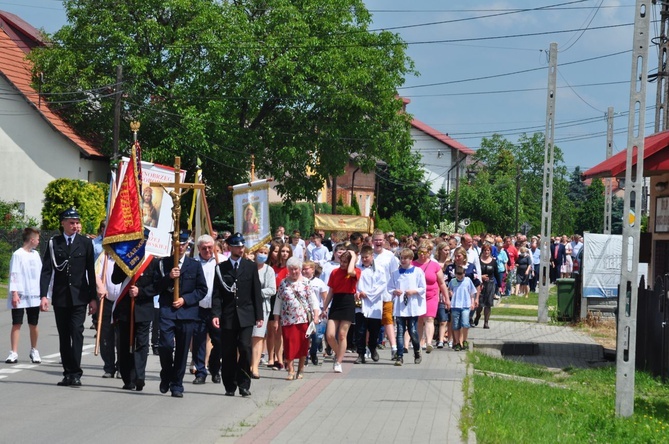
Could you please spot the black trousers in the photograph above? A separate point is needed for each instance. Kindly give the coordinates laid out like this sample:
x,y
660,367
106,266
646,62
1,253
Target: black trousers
x,y
70,325
175,339
132,364
202,330
236,372
108,338
362,326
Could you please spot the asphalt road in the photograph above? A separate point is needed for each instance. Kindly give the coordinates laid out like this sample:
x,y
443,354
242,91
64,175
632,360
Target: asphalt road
x,y
35,410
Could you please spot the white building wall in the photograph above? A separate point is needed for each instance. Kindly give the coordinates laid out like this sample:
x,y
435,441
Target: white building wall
x,y
437,159
33,154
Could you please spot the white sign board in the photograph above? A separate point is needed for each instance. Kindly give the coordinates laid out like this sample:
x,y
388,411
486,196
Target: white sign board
x,y
602,262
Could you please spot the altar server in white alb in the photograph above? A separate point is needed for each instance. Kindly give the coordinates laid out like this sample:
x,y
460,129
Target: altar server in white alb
x,y
24,294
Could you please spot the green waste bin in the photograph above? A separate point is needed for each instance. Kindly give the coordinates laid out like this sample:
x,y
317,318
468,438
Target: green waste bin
x,y
566,290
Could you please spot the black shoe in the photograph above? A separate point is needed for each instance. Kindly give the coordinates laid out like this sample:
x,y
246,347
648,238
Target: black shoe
x,y
417,359
129,387
360,359
244,392
177,395
227,393
108,375
200,380
399,361
139,385
66,382
375,356
164,387
216,379
154,349
477,319
405,350
314,358
75,382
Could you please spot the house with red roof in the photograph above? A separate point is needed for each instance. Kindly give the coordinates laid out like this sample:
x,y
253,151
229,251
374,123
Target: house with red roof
x,y
36,145
442,156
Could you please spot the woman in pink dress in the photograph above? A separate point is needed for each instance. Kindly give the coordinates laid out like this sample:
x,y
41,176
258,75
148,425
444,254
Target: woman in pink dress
x,y
434,279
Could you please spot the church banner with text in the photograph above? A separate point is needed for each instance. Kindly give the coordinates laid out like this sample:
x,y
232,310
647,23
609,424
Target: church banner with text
x,y
343,222
156,206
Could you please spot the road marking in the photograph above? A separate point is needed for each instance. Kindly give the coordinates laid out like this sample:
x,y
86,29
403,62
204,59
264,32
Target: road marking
x,y
9,370
25,366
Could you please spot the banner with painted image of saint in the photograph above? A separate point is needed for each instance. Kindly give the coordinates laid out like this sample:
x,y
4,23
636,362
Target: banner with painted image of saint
x,y
251,209
156,206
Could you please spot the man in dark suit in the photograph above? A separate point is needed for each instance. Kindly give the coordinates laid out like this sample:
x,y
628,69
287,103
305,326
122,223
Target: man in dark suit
x,y
557,259
179,318
132,362
70,260
236,308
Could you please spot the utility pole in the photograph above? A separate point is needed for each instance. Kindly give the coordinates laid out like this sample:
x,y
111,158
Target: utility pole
x,y
662,92
117,112
608,196
629,277
547,196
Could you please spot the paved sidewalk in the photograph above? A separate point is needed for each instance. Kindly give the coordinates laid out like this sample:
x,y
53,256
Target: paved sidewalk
x,y
373,402
558,346
377,402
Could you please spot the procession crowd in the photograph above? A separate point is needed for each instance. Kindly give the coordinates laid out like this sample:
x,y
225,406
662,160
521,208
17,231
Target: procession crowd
x,y
226,312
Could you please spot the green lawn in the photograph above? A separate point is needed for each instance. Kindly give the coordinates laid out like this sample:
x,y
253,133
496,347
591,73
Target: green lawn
x,y
579,407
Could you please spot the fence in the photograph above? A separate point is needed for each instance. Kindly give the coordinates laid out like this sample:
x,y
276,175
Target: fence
x,y
11,240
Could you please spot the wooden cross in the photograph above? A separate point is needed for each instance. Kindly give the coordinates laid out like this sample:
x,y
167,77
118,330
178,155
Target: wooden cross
x,y
176,194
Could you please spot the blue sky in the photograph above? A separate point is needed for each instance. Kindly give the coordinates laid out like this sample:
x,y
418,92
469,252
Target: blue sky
x,y
487,82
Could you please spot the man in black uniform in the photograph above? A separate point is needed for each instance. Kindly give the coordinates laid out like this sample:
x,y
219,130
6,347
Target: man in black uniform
x,y
236,306
132,362
179,318
70,260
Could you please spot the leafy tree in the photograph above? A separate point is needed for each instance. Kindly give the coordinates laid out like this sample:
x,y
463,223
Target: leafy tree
x,y
12,218
442,203
61,194
301,85
577,189
402,189
591,213
499,166
617,208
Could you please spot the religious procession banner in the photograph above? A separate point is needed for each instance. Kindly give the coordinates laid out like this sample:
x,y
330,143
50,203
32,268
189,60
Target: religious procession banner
x,y
156,206
251,208
124,236
343,222
199,221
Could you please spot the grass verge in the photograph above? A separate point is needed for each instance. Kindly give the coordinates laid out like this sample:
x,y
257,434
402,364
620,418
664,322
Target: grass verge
x,y
581,409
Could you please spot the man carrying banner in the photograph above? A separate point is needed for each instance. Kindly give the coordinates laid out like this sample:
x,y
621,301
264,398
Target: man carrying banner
x,y
178,318
69,259
134,312
236,308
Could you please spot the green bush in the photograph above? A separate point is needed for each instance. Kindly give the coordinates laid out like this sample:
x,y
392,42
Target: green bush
x,y
401,225
87,198
6,251
11,217
384,225
476,227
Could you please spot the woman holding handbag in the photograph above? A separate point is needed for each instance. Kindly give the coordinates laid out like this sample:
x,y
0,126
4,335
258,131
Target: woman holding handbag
x,y
295,308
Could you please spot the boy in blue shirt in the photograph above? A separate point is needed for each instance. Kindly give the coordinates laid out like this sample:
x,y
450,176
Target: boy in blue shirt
x,y
463,298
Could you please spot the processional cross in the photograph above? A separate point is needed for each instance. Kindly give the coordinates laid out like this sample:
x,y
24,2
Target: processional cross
x,y
176,193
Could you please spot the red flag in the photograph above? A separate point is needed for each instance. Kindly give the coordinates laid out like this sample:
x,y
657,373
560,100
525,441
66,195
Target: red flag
x,y
124,235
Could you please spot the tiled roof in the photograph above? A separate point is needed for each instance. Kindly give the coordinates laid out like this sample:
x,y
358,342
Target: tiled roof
x,y
444,138
16,39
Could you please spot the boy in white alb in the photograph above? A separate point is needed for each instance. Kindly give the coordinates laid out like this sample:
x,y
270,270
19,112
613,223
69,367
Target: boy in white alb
x,y
407,286
372,286
24,294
